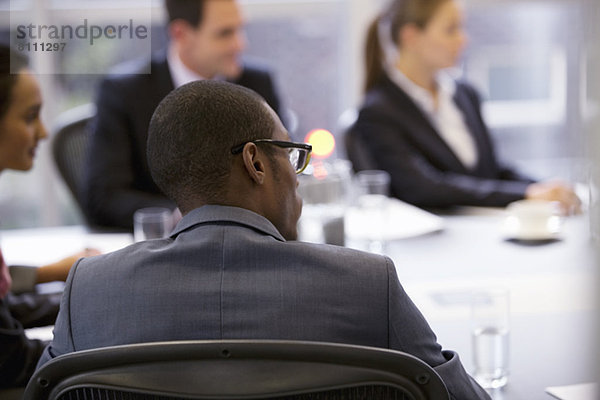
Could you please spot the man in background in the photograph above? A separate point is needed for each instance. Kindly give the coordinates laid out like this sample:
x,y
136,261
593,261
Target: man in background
x,y
207,40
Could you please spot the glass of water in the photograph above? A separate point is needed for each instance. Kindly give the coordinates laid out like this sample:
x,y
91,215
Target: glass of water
x,y
490,336
373,187
151,223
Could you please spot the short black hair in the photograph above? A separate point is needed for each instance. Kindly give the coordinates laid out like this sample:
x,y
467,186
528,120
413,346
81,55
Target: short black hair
x,y
192,132
188,10
9,58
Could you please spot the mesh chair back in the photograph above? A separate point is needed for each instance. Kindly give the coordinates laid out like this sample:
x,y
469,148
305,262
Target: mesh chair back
x,y
236,370
354,148
69,146
357,154
380,392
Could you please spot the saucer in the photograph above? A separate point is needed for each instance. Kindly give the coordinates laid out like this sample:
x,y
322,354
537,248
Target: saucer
x,y
513,230
529,220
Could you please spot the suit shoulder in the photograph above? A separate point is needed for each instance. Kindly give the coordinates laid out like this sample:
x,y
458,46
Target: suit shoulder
x,y
257,67
129,70
117,259
385,97
380,106
131,82
258,77
137,71
342,256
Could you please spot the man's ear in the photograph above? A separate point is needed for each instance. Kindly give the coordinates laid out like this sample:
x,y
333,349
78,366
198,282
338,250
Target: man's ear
x,y
178,29
254,163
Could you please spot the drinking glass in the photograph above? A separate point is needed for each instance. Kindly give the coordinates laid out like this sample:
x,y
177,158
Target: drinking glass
x,y
324,190
373,187
490,336
151,223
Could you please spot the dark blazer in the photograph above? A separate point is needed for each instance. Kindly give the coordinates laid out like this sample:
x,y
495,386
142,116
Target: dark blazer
x,y
392,133
227,273
117,179
18,354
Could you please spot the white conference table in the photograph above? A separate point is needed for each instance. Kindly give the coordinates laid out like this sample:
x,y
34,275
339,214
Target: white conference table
x,y
553,302
552,287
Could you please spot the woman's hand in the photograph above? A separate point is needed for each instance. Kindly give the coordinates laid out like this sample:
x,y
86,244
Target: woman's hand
x,y
59,270
555,191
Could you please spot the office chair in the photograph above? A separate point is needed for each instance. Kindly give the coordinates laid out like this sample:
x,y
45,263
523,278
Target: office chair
x,y
69,146
235,369
357,153
343,125
352,147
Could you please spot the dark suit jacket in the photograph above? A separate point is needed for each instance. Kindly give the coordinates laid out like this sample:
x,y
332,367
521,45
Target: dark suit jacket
x,y
117,179
18,354
392,133
227,273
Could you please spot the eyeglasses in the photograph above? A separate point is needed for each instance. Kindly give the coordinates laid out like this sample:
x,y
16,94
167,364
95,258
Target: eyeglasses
x,y
298,153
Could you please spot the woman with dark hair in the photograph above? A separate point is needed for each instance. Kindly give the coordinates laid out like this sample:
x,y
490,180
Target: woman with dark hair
x,y
20,131
424,127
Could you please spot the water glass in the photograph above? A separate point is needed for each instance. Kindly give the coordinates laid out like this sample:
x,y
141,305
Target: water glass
x,y
490,336
151,223
325,197
373,187
373,182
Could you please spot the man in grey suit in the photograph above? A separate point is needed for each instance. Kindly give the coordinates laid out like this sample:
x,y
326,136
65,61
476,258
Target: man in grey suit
x,y
232,269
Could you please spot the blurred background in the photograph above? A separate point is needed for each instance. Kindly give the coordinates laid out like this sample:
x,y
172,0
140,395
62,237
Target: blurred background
x,y
592,130
533,60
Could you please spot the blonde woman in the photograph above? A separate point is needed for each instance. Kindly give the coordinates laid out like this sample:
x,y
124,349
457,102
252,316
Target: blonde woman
x,y
424,127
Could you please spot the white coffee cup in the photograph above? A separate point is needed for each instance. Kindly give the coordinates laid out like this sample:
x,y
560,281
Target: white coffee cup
x,y
533,220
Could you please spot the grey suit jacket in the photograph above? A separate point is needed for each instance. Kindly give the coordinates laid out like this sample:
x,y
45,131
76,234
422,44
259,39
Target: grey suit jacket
x,y
227,273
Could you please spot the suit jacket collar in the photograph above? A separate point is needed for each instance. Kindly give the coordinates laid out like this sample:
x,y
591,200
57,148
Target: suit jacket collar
x,y
468,105
159,68
471,115
408,106
215,214
395,92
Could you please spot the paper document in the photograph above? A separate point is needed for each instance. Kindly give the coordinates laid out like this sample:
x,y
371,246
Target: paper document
x,y
398,220
582,391
44,245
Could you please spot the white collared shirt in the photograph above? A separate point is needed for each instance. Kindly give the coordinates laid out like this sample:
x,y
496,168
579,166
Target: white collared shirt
x,y
179,72
447,118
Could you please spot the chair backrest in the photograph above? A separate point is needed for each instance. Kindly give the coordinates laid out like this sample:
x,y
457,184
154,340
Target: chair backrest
x,y
344,122
69,146
357,153
353,148
236,369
